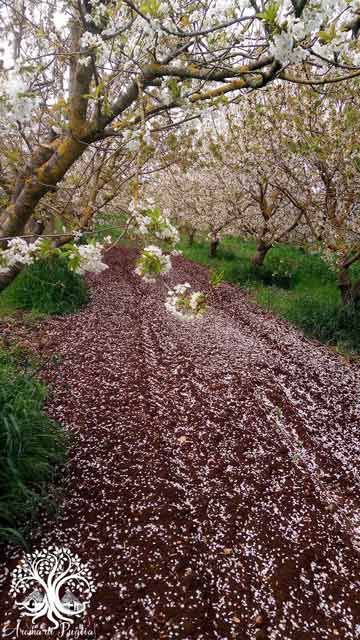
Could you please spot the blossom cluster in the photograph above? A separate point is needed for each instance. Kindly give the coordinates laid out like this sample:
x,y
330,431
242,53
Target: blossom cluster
x,y
152,263
99,13
291,36
81,259
86,258
91,40
108,22
184,304
18,252
16,104
151,222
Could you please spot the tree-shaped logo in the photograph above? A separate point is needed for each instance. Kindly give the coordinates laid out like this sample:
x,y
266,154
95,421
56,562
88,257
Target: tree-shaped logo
x,y
52,583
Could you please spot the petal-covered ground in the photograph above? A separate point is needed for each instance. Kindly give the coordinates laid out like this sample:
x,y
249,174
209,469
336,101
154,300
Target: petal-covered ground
x,y
213,482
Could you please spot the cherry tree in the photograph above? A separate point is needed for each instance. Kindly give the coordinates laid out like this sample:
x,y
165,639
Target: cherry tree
x,y
320,172
104,179
203,198
230,187
250,152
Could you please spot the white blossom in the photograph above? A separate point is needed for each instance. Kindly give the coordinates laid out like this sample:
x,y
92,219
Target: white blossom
x,y
90,259
184,304
152,263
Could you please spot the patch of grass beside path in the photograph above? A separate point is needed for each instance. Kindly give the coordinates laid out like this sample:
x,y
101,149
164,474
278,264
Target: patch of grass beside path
x,y
298,286
44,287
31,446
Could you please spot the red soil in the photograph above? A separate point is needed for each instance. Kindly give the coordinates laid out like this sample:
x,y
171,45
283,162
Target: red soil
x,y
213,477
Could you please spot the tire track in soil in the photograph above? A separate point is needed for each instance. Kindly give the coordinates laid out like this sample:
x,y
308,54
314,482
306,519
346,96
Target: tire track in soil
x,y
213,473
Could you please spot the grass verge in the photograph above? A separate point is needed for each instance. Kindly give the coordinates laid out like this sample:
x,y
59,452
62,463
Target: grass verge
x,y
45,287
31,446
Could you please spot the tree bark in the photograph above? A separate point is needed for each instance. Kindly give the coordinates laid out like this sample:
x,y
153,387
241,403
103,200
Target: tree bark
x,y
214,243
258,258
7,278
191,236
356,292
350,293
42,178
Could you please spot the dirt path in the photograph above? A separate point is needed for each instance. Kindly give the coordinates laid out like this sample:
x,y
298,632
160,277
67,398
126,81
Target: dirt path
x,y
214,475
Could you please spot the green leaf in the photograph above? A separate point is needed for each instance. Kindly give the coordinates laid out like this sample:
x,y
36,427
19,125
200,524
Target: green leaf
x,y
270,14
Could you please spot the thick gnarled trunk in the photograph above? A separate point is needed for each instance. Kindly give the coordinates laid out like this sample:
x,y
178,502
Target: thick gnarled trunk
x,y
52,158
41,179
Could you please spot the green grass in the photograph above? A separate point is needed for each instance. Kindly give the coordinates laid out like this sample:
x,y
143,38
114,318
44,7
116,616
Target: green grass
x,y
45,287
297,286
31,446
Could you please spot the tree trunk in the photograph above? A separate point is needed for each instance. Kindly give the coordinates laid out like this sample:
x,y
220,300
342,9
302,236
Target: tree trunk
x,y
214,243
350,293
37,227
191,236
344,284
356,292
258,258
43,177
7,278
